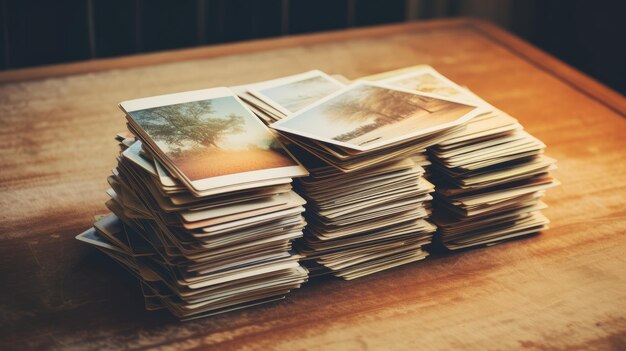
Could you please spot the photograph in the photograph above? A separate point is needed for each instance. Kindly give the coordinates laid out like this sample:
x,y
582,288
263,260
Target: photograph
x,y
364,116
427,80
214,137
294,93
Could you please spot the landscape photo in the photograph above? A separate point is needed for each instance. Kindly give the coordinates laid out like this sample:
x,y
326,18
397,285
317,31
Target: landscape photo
x,y
428,83
211,138
297,95
365,115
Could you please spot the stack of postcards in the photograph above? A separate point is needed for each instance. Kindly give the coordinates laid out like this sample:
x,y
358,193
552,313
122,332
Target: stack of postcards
x,y
203,211
489,177
363,144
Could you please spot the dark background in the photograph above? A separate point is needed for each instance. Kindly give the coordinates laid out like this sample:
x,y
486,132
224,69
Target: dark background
x,y
588,34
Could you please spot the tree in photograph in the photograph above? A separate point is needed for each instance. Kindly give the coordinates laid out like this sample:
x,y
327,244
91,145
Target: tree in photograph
x,y
188,124
384,105
355,133
374,107
360,105
404,103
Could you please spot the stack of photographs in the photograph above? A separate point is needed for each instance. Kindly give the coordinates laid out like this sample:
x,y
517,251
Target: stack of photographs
x,y
365,221
489,177
203,210
205,216
367,199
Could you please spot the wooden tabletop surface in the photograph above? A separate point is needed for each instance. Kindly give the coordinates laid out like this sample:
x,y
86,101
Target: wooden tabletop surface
x,y
563,289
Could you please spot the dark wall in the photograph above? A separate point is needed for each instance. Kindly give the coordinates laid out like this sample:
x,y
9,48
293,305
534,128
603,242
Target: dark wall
x,y
588,34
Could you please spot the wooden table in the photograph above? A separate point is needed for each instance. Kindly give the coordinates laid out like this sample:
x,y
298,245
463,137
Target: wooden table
x,y
564,289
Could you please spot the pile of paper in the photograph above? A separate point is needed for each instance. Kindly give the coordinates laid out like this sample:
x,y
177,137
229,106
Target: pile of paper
x,y
489,177
363,144
203,211
367,220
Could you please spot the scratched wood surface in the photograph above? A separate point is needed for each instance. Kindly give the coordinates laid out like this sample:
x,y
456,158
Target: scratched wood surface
x,y
563,289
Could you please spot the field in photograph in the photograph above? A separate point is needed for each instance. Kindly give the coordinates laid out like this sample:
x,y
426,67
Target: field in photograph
x,y
418,121
214,163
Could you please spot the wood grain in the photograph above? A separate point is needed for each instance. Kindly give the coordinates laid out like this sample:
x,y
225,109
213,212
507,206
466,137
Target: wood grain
x,y
564,289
